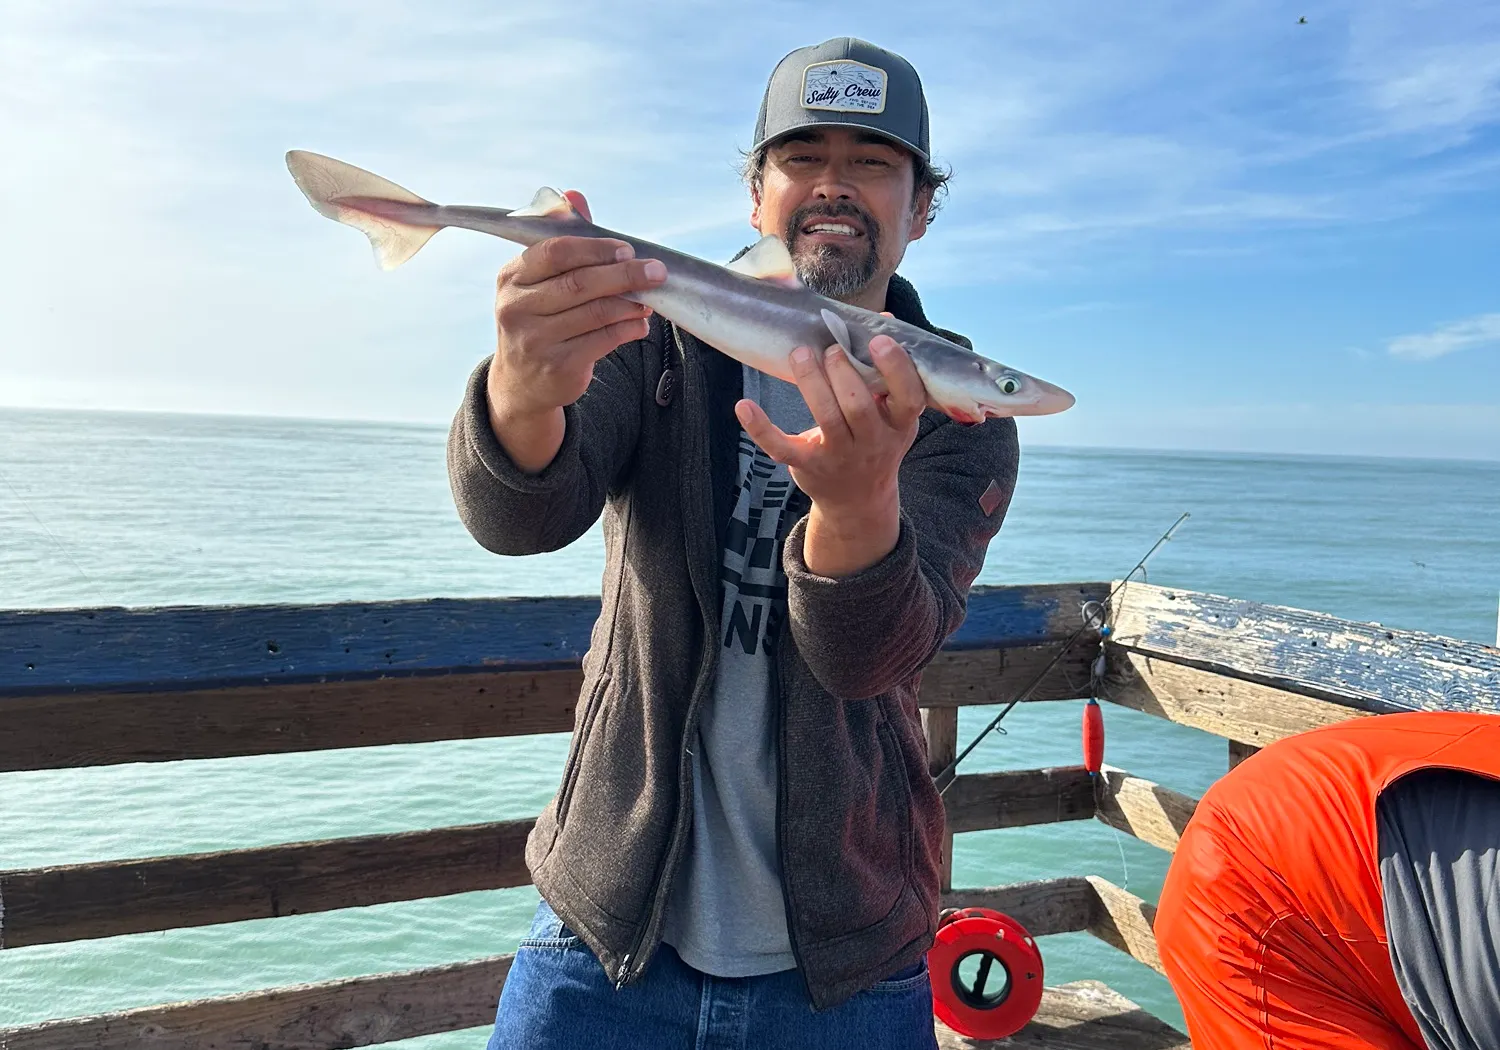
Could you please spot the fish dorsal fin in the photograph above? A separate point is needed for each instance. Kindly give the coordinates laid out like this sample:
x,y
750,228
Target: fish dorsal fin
x,y
768,260
550,204
838,329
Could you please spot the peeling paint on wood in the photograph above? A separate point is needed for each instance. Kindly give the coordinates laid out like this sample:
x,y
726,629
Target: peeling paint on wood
x,y
204,647
1365,665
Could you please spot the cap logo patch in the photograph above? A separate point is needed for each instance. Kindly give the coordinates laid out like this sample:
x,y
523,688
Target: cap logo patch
x,y
844,86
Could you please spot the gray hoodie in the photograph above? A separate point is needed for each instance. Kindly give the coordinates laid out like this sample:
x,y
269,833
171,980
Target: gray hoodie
x,y
860,824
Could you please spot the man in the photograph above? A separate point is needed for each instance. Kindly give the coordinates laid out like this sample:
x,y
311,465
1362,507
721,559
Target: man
x,y
1340,890
745,847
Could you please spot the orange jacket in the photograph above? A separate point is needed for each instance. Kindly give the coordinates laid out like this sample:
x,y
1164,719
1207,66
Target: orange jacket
x,y
1271,924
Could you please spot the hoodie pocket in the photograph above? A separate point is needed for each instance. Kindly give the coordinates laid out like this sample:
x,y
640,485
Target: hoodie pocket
x,y
580,740
850,821
897,781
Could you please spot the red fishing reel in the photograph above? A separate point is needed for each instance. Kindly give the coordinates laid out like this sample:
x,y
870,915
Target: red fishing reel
x,y
986,973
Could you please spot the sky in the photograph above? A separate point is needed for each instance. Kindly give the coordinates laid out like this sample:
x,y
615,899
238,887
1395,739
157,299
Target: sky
x,y
1221,228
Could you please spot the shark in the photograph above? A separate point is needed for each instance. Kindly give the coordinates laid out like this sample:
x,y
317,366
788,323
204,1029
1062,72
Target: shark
x,y
754,309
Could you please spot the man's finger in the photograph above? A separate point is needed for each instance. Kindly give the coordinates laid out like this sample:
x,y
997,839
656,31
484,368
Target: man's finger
x,y
776,444
546,259
906,394
573,288
590,316
855,401
820,398
601,341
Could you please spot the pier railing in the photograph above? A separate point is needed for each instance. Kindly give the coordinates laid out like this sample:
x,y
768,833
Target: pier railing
x,y
106,686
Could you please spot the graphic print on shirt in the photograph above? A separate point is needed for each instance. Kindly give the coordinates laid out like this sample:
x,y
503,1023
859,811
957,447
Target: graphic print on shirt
x,y
754,584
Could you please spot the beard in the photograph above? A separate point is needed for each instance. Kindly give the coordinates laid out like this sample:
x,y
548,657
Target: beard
x,y
836,271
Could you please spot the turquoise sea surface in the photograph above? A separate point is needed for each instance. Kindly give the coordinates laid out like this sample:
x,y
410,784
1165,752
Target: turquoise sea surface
x,y
117,509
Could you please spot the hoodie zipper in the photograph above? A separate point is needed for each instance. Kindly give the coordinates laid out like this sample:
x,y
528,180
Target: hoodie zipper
x,y
795,507
783,634
693,427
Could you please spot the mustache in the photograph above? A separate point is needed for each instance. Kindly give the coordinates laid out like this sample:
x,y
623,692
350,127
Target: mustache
x,y
831,210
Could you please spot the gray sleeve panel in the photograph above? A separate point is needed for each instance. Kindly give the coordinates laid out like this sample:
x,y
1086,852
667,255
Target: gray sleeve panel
x,y
1439,842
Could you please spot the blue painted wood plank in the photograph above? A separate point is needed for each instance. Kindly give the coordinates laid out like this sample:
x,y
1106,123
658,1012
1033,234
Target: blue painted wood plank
x,y
1012,616
207,647
1366,665
216,646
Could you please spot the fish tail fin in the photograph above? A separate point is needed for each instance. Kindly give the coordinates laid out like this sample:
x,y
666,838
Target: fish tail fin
x,y
326,182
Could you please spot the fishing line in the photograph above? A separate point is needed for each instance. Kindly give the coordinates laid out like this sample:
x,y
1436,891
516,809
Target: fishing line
x,y
948,776
50,535
1124,864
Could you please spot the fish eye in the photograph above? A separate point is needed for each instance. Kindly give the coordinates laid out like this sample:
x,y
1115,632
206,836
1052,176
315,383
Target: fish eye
x,y
1009,384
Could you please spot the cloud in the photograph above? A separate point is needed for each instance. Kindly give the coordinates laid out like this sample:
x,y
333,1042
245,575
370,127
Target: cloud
x,y
1483,330
162,257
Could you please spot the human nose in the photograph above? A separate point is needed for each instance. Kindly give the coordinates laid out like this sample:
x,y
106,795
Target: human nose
x,y
834,184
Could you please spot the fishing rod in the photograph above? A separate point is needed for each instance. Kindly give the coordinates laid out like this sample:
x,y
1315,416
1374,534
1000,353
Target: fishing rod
x,y
949,775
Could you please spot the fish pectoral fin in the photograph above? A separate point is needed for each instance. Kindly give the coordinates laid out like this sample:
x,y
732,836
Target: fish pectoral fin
x,y
768,260
548,203
839,330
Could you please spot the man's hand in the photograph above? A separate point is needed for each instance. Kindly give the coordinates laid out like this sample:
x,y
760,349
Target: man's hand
x,y
847,464
559,308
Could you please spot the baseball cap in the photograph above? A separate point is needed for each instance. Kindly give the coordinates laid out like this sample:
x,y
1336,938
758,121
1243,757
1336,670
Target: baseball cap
x,y
846,82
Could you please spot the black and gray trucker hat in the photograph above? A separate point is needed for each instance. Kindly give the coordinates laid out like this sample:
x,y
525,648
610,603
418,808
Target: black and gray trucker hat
x,y
846,82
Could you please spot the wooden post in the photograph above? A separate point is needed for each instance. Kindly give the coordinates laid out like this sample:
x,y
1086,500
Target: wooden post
x,y
1238,752
940,726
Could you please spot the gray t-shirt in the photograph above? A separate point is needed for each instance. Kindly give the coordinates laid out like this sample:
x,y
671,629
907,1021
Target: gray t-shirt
x,y
727,916
1439,842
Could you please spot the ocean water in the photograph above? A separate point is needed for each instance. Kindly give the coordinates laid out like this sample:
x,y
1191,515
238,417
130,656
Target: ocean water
x,y
115,509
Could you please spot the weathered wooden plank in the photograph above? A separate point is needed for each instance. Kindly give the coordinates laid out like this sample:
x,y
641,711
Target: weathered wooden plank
x,y
1124,920
79,901
206,647
386,1007
361,1011
91,729
367,1011
1015,615
1138,807
1044,907
940,728
1238,752
106,899
1080,1015
996,676
1019,797
1364,664
87,729
1215,703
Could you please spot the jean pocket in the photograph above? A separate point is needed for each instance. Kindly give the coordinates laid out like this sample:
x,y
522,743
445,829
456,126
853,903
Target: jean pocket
x,y
906,979
549,931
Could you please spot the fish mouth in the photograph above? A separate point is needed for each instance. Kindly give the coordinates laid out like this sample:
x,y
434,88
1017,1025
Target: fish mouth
x,y
1048,400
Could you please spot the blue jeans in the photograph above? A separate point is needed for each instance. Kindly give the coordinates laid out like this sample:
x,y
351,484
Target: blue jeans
x,y
557,996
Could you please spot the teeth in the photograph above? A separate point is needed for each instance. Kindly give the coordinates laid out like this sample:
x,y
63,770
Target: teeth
x,y
832,227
